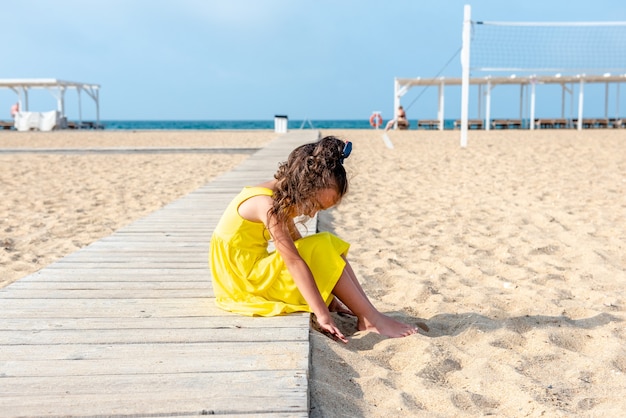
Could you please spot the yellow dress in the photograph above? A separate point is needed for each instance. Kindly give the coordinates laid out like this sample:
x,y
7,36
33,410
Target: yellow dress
x,y
249,280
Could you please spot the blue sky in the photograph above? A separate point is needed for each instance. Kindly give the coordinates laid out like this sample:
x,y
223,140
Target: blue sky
x,y
252,59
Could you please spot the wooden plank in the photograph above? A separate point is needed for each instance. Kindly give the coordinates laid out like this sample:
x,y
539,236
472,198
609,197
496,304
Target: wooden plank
x,y
98,293
106,285
216,319
91,307
91,359
141,250
151,336
139,265
179,239
135,254
160,274
113,312
150,245
163,394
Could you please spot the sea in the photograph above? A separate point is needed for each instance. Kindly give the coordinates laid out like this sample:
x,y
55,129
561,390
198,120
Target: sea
x,y
242,124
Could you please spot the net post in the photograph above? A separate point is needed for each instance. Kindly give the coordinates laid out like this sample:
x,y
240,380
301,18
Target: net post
x,y
396,101
488,106
606,101
465,67
617,102
440,110
533,88
581,96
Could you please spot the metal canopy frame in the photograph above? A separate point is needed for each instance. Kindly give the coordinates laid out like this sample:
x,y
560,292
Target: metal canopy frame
x,y
488,83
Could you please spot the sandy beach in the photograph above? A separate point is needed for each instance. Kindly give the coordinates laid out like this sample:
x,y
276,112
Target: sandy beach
x,y
512,251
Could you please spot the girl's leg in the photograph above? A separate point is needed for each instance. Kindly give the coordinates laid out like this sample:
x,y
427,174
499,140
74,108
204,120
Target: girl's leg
x,y
336,305
352,275
339,307
350,292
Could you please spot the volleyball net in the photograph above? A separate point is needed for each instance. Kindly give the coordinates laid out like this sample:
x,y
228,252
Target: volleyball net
x,y
535,48
567,47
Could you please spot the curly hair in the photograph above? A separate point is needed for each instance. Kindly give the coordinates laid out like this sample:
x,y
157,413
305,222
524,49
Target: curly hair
x,y
309,168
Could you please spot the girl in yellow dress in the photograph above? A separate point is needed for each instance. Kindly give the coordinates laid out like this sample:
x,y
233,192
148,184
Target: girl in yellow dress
x,y
302,274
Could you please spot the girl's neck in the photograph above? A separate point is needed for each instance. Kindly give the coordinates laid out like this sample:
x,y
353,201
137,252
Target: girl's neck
x,y
271,184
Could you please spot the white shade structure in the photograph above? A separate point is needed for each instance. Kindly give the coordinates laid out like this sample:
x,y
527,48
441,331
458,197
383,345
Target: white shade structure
x,y
487,83
57,88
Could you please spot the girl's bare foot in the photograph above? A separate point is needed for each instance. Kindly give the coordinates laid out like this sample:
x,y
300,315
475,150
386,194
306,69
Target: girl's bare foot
x,y
337,306
387,326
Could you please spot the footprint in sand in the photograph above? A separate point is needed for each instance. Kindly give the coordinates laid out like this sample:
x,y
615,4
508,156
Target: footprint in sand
x,y
437,372
567,340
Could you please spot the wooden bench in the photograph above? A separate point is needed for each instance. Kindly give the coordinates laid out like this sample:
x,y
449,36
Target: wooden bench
x,y
506,124
403,125
428,124
471,124
6,125
591,123
617,123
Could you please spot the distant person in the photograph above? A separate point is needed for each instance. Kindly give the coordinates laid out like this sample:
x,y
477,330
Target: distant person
x,y
310,274
15,109
400,120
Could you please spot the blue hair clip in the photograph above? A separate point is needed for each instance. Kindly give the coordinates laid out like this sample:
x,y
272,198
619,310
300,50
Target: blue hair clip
x,y
347,149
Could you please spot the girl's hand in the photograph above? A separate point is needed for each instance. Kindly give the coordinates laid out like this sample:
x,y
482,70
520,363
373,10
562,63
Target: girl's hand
x,y
328,325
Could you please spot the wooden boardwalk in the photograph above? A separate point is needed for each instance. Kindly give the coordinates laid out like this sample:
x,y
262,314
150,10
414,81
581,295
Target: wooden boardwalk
x,y
127,326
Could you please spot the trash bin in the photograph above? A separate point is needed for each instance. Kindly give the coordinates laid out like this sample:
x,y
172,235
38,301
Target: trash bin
x,y
280,124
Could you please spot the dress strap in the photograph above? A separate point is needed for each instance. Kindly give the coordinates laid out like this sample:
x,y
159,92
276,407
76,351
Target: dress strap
x,y
251,191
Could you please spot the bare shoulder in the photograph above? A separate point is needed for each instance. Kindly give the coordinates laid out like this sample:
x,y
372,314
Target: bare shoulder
x,y
255,208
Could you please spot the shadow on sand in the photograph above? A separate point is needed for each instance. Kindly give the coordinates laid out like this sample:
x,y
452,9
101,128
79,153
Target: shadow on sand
x,y
443,325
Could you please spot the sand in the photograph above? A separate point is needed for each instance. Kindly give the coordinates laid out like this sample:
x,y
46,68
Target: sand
x,y
512,251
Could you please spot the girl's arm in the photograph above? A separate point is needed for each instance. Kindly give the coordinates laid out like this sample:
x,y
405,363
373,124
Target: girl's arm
x,y
284,234
302,276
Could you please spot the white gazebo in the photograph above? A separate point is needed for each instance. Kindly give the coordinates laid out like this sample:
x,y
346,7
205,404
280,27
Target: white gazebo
x,y
488,83
57,88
